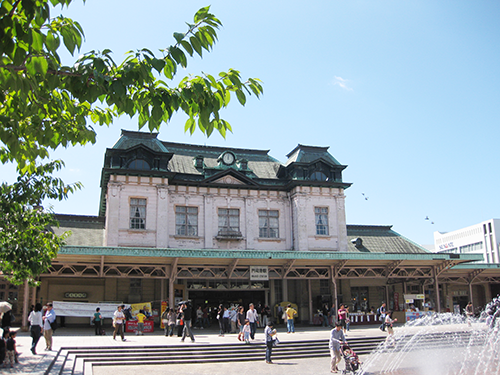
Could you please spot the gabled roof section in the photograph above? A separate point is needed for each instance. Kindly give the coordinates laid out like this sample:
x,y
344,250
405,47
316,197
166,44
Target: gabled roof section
x,y
130,139
230,177
309,154
380,239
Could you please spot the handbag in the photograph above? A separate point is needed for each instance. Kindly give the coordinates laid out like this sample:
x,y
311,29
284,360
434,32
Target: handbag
x,y
276,342
53,325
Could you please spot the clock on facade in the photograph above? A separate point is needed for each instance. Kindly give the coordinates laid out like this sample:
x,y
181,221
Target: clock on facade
x,y
228,158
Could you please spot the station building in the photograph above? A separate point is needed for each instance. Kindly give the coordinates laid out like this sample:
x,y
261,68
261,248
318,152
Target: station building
x,y
231,225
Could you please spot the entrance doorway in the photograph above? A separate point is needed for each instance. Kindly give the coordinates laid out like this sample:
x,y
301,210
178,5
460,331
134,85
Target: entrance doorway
x,y
213,298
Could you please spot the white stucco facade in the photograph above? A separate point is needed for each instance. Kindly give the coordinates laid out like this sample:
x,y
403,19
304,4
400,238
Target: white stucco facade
x,y
296,213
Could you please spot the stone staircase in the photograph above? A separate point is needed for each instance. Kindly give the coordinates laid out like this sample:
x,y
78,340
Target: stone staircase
x,y
79,360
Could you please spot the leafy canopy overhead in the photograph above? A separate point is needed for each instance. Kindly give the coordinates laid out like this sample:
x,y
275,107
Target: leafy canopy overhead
x,y
44,105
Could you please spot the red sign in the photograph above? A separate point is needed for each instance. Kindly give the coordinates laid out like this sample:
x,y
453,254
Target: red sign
x,y
131,326
396,301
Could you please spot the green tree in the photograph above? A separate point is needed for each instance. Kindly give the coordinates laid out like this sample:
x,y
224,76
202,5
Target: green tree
x,y
44,105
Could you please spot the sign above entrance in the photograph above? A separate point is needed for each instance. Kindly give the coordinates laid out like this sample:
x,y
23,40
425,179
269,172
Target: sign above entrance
x,y
259,273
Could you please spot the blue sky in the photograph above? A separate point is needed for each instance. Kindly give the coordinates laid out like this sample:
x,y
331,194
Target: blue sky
x,y
405,93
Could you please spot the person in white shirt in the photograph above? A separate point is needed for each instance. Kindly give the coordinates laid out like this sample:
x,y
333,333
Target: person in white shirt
x,y
253,318
36,323
48,319
118,323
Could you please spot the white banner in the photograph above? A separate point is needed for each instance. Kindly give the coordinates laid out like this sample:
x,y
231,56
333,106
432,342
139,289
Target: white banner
x,y
84,309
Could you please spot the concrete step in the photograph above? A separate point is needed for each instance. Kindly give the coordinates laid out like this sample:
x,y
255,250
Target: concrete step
x,y
79,361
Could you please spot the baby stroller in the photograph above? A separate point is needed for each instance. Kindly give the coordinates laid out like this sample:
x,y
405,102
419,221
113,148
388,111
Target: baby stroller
x,y
352,363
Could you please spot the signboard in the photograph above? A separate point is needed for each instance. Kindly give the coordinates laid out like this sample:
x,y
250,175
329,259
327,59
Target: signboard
x,y
259,273
84,309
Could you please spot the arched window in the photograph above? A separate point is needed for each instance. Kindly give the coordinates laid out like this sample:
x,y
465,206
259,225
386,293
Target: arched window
x,y
139,164
318,176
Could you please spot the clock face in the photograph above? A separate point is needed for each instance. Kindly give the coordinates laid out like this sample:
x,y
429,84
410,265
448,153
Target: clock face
x,y
228,158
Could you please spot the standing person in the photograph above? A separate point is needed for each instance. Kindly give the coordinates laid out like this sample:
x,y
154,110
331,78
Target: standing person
x,y
220,314
324,313
36,323
290,314
337,338
342,316
266,315
118,322
241,321
48,319
269,332
259,315
187,313
98,321
382,311
10,354
469,312
331,316
388,322
233,317
253,318
199,317
225,320
206,321
172,318
164,320
246,331
347,319
141,317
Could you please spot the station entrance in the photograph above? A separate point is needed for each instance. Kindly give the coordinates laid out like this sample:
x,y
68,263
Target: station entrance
x,y
213,298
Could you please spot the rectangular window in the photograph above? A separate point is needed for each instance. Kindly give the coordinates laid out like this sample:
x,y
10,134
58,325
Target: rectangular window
x,y
268,224
135,286
137,213
321,218
229,222
186,221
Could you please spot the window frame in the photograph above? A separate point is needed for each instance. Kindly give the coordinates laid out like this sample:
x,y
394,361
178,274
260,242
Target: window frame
x,y
186,225
321,229
137,222
228,229
266,230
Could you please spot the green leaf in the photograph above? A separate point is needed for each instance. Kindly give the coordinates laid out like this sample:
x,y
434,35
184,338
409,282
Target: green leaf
x,y
179,36
158,64
241,97
52,41
187,47
201,14
196,45
37,65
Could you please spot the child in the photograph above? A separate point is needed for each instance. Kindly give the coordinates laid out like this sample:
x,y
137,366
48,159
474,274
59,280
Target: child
x,y
11,349
351,358
246,331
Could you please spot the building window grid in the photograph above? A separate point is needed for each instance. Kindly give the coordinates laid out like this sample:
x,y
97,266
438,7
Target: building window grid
x,y
321,219
186,221
324,287
229,221
268,224
137,213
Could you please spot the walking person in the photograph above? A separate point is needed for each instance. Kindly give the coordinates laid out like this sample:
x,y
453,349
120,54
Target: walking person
x,y
253,318
388,323
382,312
347,318
337,339
342,316
199,317
36,323
48,319
469,313
98,321
11,352
187,313
118,323
290,315
269,333
241,321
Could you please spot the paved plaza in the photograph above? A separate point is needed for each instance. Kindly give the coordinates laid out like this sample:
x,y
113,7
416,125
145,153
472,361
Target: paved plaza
x,y
84,337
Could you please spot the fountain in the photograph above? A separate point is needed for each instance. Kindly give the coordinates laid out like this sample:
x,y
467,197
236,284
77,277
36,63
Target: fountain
x,y
441,344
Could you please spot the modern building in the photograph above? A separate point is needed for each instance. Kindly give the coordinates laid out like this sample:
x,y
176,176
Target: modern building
x,y
232,225
482,238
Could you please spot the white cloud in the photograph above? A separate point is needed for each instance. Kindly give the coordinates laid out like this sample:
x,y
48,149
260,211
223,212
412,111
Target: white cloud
x,y
339,81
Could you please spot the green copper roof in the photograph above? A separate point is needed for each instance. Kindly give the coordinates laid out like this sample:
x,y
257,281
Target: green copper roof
x,y
380,239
